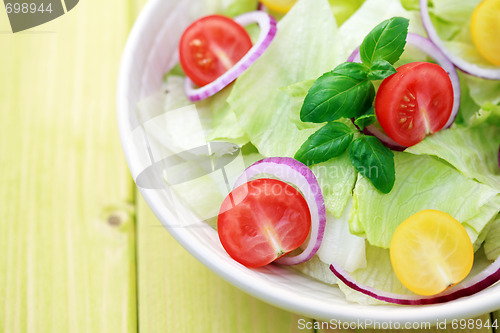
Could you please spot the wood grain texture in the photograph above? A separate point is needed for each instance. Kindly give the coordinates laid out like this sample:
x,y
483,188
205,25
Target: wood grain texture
x,y
67,260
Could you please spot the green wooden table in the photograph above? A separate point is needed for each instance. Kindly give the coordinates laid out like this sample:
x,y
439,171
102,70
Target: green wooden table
x,y
80,251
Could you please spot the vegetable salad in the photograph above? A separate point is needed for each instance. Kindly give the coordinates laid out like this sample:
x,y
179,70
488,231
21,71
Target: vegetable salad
x,y
275,109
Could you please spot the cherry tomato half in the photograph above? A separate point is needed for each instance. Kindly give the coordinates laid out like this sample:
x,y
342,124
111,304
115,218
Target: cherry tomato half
x,y
210,46
485,27
414,102
430,252
263,220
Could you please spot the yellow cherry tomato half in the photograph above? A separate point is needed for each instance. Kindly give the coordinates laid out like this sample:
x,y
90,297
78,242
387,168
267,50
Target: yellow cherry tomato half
x,y
430,252
279,6
485,30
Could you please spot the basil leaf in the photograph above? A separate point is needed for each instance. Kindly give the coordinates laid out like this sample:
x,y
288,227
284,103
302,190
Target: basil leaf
x,y
329,141
386,41
374,161
380,70
343,92
366,119
352,69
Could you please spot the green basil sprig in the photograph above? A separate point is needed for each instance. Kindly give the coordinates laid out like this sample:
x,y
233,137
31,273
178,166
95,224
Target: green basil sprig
x,y
343,92
380,69
329,141
366,119
348,92
386,41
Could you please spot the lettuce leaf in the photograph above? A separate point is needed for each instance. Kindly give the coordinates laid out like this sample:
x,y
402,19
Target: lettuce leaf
x,y
336,178
304,48
458,14
224,126
478,227
229,8
473,151
371,13
377,274
316,269
422,182
483,91
216,117
343,9
492,240
340,246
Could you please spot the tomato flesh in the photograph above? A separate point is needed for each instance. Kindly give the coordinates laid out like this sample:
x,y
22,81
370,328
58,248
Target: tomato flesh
x,y
485,27
263,220
210,46
430,252
414,102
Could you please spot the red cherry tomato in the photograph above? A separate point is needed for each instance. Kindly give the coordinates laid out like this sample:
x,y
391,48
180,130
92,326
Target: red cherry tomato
x,y
263,220
210,46
414,102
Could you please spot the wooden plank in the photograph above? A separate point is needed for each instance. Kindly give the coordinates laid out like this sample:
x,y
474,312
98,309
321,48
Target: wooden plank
x,y
179,294
67,260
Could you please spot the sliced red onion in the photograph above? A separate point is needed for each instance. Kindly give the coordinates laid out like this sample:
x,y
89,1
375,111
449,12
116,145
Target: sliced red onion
x,y
465,66
294,172
426,46
354,57
268,29
488,277
384,138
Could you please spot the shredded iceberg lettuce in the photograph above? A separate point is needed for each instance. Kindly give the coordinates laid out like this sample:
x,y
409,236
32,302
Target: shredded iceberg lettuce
x,y
230,8
340,246
260,113
303,49
473,151
492,240
336,178
422,182
377,274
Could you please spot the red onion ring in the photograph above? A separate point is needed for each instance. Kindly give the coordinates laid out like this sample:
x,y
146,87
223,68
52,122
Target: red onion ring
x,y
294,172
426,46
465,66
486,278
268,30
384,138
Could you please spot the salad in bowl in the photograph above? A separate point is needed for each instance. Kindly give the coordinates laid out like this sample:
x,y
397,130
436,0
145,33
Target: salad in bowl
x,y
326,156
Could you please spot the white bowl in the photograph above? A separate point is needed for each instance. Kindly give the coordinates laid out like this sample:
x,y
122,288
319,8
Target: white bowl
x,y
149,53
